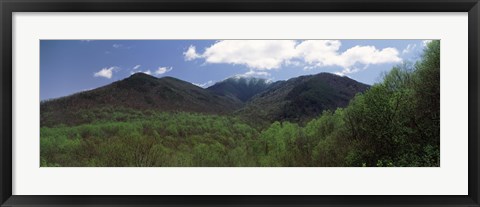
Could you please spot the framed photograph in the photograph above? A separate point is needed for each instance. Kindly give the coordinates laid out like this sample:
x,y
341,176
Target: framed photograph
x,y
238,103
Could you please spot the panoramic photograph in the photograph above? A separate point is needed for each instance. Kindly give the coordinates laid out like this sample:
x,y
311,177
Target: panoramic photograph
x,y
240,103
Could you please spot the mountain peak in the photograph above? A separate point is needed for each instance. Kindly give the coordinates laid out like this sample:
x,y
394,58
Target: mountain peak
x,y
302,98
141,75
240,87
140,78
143,78
137,80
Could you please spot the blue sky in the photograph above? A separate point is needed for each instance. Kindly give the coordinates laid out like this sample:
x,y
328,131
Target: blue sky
x,y
70,66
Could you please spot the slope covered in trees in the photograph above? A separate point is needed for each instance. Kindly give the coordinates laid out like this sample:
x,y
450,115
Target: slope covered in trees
x,y
138,92
303,98
393,123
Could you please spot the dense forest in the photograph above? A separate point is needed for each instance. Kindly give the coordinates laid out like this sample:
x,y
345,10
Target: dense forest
x,y
394,123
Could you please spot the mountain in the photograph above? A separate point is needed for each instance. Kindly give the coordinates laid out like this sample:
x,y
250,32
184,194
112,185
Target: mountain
x,y
257,100
302,98
140,92
240,88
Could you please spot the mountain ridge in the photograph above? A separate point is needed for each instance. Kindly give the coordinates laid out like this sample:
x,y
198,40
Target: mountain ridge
x,y
139,92
302,98
295,99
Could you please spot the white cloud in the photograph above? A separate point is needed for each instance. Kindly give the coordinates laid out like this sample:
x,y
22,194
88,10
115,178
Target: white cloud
x,y
257,54
162,70
308,67
106,72
325,53
273,54
191,53
136,67
204,85
295,63
369,55
425,42
409,48
253,73
319,52
117,45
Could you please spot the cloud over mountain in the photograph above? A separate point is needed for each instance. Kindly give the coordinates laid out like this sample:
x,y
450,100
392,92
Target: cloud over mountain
x,y
106,72
273,54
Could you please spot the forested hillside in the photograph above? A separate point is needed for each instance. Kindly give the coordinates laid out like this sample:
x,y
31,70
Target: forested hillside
x,y
393,123
301,99
139,92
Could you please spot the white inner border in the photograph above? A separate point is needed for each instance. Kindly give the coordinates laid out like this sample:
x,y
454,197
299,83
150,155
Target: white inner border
x,y
449,179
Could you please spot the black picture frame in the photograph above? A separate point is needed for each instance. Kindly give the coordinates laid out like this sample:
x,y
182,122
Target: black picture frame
x,y
7,7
